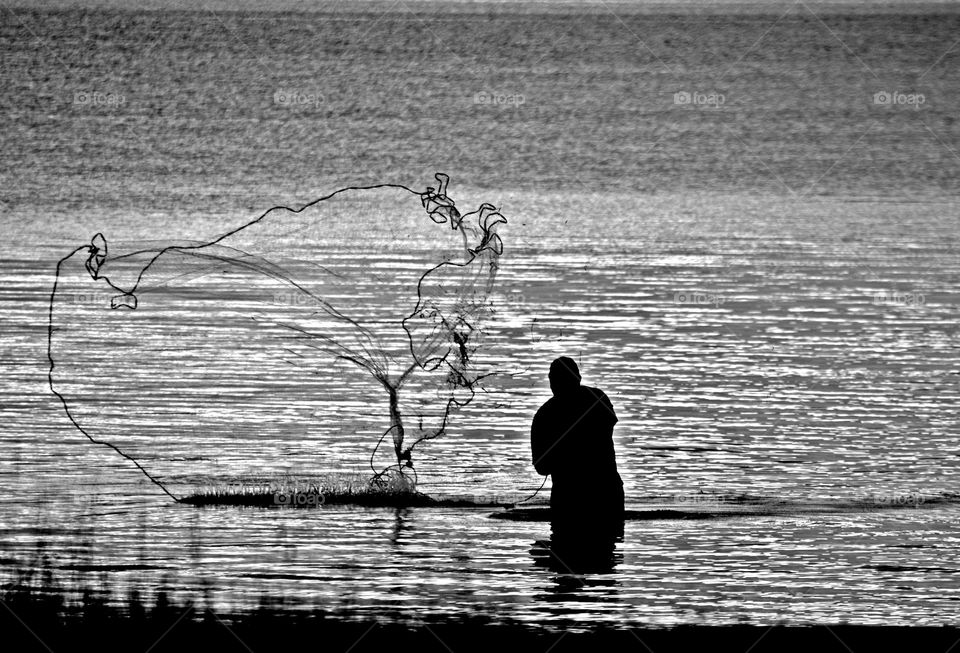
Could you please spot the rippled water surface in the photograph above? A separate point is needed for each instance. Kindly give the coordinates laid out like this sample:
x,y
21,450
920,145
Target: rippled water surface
x,y
799,383
777,332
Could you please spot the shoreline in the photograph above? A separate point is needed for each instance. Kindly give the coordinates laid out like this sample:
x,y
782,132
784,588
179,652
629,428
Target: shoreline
x,y
178,629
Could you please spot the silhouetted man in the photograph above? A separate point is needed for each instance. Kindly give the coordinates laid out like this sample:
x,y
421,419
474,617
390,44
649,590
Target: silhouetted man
x,y
572,440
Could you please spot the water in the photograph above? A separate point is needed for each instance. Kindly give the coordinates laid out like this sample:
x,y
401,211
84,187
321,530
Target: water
x,y
766,289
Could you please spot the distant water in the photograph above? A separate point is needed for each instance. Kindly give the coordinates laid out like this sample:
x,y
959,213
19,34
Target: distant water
x,y
765,285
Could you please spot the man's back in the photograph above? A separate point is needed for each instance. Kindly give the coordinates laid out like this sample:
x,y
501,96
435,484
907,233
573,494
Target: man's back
x,y
572,440
572,436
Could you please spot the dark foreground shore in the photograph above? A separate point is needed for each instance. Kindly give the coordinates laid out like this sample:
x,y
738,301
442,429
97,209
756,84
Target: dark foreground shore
x,y
39,626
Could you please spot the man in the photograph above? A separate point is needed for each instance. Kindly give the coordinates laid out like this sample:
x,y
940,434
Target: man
x,y
572,440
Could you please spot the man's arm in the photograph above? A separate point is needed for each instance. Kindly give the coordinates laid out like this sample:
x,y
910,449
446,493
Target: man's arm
x,y
606,407
540,444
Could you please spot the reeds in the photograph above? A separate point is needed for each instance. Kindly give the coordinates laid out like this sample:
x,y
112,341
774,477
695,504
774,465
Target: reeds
x,y
335,489
298,492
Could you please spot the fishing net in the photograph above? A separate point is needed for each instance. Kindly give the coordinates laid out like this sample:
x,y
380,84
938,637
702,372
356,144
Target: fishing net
x,y
355,321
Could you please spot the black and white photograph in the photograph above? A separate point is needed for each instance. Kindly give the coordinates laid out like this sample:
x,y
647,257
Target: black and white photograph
x,y
478,325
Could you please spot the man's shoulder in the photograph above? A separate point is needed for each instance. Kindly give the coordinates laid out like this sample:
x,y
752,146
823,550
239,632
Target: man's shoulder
x,y
548,405
595,392
597,396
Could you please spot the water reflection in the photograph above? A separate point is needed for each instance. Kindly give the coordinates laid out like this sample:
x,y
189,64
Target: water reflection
x,y
578,555
583,563
399,523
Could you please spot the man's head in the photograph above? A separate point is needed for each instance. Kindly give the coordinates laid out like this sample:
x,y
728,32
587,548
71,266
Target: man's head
x,y
564,376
